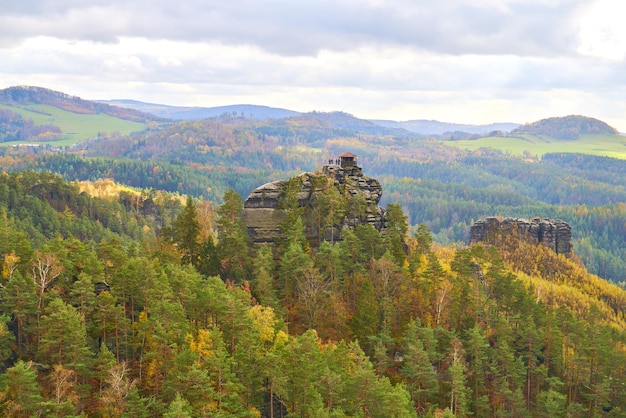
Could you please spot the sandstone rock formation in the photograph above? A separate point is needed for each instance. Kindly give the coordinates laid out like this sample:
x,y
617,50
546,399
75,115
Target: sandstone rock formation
x,y
263,214
556,234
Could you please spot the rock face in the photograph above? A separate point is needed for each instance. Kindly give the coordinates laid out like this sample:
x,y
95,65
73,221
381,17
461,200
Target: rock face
x,y
556,234
263,214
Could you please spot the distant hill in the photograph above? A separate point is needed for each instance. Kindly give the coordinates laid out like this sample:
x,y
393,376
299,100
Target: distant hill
x,y
343,120
29,95
195,113
433,127
568,127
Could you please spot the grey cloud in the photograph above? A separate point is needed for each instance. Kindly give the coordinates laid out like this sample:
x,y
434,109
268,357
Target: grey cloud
x,y
289,27
418,73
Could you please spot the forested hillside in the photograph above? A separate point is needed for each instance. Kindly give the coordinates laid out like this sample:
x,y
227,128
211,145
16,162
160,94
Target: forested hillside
x,y
171,311
441,186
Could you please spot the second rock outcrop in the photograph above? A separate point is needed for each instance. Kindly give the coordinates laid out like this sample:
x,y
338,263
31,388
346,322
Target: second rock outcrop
x,y
556,234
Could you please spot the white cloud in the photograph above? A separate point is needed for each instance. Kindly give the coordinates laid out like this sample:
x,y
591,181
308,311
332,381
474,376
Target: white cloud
x,y
602,30
480,61
306,27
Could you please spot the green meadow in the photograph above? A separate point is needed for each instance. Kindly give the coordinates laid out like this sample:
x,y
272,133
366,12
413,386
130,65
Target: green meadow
x,y
76,127
603,145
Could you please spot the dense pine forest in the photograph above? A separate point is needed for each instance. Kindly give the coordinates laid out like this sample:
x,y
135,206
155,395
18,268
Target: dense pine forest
x,y
130,286
135,302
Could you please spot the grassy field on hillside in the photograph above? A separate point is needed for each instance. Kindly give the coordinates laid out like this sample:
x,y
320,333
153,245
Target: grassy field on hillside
x,y
603,145
76,127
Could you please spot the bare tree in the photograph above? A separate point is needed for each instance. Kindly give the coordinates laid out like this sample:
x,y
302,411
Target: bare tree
x,y
45,268
313,295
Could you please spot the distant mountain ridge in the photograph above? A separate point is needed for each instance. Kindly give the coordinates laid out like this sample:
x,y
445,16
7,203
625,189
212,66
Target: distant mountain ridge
x,y
433,127
568,127
338,118
195,113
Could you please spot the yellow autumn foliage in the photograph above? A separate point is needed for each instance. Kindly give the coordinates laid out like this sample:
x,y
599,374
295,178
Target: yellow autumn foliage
x,y
264,321
560,280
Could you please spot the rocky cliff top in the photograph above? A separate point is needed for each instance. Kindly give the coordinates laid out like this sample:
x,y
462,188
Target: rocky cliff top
x,y
556,234
356,198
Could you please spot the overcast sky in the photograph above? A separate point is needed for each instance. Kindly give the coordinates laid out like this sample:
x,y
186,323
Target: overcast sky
x,y
465,61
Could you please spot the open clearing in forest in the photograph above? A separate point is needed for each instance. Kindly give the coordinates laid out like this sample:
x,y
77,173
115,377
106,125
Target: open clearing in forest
x,y
76,127
532,145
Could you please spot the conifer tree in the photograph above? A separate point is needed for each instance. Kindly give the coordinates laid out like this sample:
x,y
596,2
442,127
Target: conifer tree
x,y
396,233
19,299
179,408
186,230
418,371
365,320
328,260
209,263
330,207
293,263
187,376
477,350
136,406
63,335
423,238
104,362
7,339
21,394
233,238
263,281
82,294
